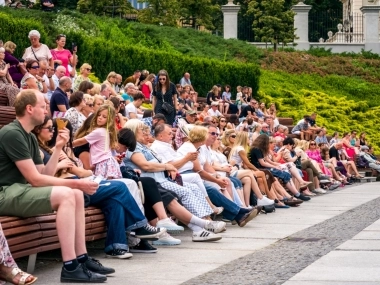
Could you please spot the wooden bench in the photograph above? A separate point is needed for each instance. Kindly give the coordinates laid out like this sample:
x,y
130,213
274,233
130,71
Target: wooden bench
x,y
29,236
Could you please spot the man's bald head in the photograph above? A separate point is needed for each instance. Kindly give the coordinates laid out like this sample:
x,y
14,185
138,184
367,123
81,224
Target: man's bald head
x,y
60,71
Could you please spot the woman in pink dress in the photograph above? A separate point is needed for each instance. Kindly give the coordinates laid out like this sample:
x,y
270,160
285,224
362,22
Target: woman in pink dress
x,y
61,56
350,150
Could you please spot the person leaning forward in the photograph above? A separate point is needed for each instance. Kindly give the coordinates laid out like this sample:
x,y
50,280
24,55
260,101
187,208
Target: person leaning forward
x,y
28,188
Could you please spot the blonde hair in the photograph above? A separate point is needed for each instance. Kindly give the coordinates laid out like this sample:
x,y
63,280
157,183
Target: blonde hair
x,y
198,134
110,125
88,98
226,136
111,74
241,140
214,89
8,46
84,66
98,97
95,90
133,125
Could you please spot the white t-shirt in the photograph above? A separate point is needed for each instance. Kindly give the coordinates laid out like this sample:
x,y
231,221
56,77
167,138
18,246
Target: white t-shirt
x,y
51,89
131,108
211,113
182,151
205,155
41,53
219,158
235,155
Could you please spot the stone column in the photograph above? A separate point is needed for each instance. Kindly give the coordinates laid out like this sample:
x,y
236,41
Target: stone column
x,y
301,24
371,28
230,20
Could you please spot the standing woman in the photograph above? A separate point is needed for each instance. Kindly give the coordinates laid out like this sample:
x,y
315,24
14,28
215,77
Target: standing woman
x,y
147,86
62,56
85,71
165,97
16,68
37,51
7,85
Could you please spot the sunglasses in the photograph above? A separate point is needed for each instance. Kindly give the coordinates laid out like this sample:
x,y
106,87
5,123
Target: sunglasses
x,y
313,144
233,136
90,105
88,69
50,129
214,134
222,121
162,79
35,67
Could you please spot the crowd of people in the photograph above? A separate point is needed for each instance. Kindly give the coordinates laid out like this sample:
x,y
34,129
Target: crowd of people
x,y
77,143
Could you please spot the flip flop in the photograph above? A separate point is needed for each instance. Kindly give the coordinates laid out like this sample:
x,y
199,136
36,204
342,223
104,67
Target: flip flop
x,y
281,206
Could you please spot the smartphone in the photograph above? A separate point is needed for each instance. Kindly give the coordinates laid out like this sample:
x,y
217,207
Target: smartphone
x,y
73,46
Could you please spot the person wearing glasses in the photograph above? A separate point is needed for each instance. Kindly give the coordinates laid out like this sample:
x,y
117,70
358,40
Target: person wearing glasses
x,y
7,85
165,92
85,71
31,79
62,56
37,51
213,111
249,111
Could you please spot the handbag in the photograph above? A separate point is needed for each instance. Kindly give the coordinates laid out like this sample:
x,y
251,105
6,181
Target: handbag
x,y
166,107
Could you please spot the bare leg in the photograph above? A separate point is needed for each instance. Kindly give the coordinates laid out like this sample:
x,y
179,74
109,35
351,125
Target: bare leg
x,y
262,181
246,190
159,209
63,200
227,106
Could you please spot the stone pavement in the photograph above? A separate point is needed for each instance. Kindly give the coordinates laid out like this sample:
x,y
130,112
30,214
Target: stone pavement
x,y
329,240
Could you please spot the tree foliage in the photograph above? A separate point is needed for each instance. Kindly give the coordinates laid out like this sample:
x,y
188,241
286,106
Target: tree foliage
x,y
99,7
272,21
160,12
199,12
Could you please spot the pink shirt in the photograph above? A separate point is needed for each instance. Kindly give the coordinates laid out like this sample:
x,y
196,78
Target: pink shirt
x,y
314,155
64,56
98,149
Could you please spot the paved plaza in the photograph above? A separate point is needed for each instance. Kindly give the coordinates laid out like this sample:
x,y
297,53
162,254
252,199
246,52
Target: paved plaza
x,y
333,239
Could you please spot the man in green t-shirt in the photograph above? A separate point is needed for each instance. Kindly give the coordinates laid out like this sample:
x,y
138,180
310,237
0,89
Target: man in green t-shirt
x,y
29,188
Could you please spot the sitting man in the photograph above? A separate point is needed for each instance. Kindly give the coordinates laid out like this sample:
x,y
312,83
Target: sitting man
x,y
180,136
28,188
372,163
213,111
249,111
152,122
132,110
303,129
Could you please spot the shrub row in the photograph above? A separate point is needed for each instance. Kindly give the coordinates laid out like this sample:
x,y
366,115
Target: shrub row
x,y
105,56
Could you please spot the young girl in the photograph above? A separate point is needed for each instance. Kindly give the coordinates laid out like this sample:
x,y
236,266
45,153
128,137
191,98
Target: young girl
x,y
102,139
238,99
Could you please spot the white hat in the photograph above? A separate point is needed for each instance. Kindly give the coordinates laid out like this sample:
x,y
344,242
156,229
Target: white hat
x,y
34,33
215,103
364,147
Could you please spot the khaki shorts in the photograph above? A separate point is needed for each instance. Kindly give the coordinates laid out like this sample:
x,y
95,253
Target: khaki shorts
x,y
23,200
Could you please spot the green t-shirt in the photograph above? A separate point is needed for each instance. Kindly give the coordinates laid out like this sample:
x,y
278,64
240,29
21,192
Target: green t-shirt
x,y
15,145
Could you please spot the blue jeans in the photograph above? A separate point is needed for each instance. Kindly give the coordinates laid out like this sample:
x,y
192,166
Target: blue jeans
x,y
284,176
121,212
218,199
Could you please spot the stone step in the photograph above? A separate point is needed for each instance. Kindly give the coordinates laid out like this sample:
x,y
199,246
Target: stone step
x,y
367,179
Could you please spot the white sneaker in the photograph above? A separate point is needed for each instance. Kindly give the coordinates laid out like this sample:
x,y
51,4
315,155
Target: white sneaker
x,y
169,225
215,226
264,201
206,236
319,190
167,239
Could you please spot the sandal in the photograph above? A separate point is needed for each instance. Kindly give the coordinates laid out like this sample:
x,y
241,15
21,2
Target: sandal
x,y
23,276
218,210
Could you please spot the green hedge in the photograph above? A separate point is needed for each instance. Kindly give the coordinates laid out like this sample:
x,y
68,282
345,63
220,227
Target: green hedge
x,y
106,55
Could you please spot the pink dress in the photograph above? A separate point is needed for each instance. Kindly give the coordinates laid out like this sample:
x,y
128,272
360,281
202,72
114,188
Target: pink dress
x,y
316,155
64,56
101,155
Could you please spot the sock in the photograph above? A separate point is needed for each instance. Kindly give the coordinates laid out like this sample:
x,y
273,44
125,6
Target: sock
x,y
197,221
194,228
241,213
82,258
297,195
71,265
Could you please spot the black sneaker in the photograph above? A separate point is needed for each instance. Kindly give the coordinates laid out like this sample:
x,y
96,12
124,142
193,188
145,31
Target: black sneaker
x,y
303,198
119,253
81,275
143,247
148,232
95,266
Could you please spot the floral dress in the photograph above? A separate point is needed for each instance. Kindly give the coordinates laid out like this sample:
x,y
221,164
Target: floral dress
x,y
24,85
75,117
78,80
6,87
6,258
